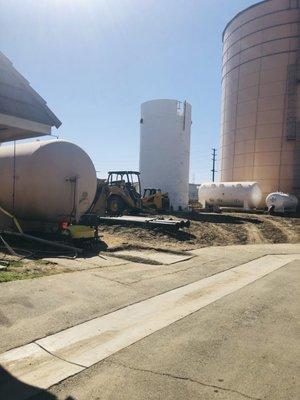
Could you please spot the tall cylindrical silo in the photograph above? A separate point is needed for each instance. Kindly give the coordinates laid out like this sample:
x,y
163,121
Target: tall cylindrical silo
x,y
165,148
260,133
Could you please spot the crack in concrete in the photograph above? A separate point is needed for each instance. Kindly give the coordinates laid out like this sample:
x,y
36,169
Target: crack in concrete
x,y
95,267
60,358
194,266
112,280
182,378
173,272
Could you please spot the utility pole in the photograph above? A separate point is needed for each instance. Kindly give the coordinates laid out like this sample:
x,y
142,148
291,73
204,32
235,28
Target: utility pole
x,y
214,158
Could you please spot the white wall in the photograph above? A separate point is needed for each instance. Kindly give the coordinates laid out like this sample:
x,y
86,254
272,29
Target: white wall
x,y
165,148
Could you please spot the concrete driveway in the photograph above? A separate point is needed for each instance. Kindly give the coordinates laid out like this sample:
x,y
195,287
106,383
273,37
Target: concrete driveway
x,y
221,325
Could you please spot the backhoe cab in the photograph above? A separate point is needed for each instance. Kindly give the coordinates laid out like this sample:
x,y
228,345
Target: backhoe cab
x,y
119,193
124,192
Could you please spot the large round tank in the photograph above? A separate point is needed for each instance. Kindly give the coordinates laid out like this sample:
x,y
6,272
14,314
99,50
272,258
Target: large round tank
x,y
230,194
48,180
260,138
282,202
165,149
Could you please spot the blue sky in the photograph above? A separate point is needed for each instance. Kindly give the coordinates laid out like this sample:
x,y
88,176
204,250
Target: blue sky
x,y
96,61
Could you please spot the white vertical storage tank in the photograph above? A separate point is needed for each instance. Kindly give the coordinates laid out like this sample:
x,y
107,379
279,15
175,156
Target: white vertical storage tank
x,y
165,149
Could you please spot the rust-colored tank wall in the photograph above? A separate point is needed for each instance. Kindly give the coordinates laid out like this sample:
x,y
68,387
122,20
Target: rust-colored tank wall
x,y
260,132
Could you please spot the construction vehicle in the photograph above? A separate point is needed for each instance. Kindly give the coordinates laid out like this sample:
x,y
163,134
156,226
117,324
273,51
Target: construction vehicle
x,y
156,200
119,193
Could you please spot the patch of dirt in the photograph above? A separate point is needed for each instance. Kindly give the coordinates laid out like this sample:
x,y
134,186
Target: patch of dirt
x,y
255,236
286,228
207,229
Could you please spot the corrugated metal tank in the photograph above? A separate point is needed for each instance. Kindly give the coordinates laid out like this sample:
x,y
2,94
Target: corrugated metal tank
x,y
165,148
260,133
230,194
48,180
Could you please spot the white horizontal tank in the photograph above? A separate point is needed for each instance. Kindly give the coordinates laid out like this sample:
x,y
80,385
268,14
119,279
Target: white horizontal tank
x,y
47,181
282,202
165,129
230,194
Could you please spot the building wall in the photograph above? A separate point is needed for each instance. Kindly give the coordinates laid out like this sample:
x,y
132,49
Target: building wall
x,y
261,97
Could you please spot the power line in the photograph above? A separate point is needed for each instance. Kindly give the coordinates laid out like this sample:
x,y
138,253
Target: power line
x,y
214,158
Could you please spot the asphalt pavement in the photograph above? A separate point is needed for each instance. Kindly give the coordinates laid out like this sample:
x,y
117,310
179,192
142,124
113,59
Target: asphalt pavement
x,y
223,324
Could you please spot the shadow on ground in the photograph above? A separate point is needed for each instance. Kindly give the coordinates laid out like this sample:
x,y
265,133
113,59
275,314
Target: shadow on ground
x,y
13,389
180,235
221,218
34,250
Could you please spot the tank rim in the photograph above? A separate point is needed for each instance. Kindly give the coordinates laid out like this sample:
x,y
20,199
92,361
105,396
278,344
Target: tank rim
x,y
156,100
47,143
239,14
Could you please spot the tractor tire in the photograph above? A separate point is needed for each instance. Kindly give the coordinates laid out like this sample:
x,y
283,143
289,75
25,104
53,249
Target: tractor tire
x,y
115,206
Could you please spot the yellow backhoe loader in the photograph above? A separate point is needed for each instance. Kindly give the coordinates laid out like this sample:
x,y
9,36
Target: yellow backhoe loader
x,y
119,193
156,200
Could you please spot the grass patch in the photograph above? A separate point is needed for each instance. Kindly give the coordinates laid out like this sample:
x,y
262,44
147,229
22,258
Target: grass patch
x,y
18,270
15,264
8,276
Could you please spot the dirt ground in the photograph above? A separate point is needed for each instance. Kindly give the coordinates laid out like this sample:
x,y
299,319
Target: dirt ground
x,y
207,229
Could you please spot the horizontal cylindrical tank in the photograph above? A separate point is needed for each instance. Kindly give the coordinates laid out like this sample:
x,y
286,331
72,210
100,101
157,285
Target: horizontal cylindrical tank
x,y
282,202
230,194
260,138
47,181
165,149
